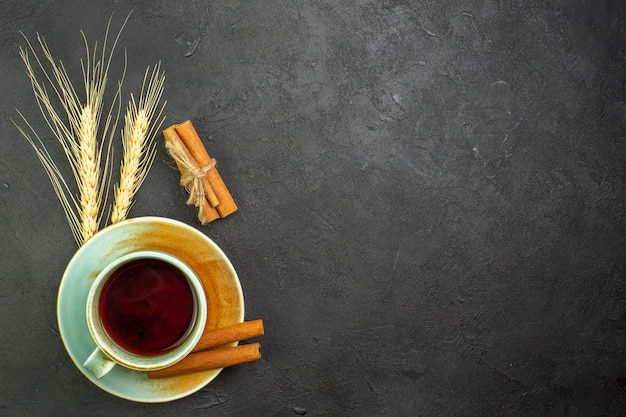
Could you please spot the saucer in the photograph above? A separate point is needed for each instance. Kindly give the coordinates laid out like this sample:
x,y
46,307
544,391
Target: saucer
x,y
221,286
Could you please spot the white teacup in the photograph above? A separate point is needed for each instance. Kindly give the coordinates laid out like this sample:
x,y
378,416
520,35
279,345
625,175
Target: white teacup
x,y
145,311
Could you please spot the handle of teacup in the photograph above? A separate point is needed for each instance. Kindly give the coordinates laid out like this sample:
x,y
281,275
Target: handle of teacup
x,y
98,363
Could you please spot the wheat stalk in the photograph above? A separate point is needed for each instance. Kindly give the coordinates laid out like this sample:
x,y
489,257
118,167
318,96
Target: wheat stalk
x,y
77,128
140,125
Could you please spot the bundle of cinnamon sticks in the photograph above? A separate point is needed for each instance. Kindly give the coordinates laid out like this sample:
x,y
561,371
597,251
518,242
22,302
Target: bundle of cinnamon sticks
x,y
199,174
209,353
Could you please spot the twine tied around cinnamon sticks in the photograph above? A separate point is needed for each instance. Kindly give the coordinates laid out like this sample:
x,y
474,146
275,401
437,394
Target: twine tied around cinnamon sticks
x,y
199,174
192,175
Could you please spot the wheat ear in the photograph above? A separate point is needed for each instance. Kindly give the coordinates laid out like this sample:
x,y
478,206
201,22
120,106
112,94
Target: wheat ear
x,y
76,128
141,122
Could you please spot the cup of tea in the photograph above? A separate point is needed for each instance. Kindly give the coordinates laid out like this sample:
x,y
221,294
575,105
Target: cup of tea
x,y
145,311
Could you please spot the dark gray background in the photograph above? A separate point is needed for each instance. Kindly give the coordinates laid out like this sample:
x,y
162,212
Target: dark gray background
x,y
432,217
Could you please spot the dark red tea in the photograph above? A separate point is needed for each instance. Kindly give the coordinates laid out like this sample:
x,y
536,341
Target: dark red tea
x,y
147,306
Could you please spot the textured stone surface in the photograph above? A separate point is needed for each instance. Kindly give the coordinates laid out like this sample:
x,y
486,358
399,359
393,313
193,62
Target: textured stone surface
x,y
431,197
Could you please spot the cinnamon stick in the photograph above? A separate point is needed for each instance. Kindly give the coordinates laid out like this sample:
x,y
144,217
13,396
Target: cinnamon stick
x,y
192,141
208,211
210,359
233,333
208,190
